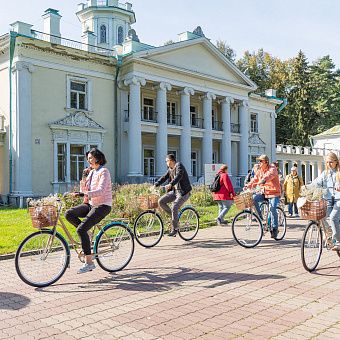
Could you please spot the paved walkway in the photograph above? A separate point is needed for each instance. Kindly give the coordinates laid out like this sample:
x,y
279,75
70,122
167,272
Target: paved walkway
x,y
210,288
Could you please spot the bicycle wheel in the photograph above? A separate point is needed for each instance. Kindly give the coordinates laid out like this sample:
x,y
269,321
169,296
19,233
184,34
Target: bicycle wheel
x,y
114,247
42,258
264,207
247,229
282,224
188,221
311,246
148,228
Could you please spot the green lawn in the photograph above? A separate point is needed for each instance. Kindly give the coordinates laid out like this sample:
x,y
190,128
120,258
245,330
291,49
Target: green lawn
x,y
15,225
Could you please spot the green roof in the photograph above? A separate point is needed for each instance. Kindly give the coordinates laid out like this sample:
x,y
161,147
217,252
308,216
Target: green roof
x,y
335,130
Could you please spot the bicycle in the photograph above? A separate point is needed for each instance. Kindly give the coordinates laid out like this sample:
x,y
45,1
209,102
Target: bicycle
x,y
247,227
149,226
312,240
43,256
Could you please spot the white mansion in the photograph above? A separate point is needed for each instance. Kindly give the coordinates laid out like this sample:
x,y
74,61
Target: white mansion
x,y
136,102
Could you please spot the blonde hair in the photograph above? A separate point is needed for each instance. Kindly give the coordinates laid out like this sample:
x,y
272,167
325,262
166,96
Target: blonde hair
x,y
224,167
334,158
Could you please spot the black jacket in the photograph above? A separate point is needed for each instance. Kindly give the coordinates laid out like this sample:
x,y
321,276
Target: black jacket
x,y
181,179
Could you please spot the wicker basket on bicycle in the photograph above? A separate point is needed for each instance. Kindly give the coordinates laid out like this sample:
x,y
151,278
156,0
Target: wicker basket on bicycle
x,y
148,202
314,210
43,216
244,200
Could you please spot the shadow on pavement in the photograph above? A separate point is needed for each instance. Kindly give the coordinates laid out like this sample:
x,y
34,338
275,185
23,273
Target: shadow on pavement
x,y
151,280
11,301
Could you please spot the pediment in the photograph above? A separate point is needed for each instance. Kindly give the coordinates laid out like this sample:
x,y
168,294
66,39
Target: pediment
x,y
255,139
76,120
198,56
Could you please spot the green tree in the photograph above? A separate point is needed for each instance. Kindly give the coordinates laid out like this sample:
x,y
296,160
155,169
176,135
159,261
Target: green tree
x,y
226,50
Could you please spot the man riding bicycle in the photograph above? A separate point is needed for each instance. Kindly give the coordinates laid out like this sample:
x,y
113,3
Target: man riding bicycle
x,y
268,178
178,190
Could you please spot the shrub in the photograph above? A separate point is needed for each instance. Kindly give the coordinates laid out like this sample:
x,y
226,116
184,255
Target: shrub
x,y
201,196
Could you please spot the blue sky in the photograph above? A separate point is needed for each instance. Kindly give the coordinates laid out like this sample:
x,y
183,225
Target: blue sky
x,y
280,27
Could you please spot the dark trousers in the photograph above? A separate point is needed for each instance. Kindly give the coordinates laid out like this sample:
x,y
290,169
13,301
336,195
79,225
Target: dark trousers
x,y
290,208
91,216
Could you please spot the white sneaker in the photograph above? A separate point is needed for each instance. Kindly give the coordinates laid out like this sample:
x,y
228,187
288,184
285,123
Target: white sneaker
x,y
87,267
336,246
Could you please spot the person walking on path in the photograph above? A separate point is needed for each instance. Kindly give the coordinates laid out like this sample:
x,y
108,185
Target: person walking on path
x,y
178,190
268,178
292,186
225,195
97,192
251,174
330,179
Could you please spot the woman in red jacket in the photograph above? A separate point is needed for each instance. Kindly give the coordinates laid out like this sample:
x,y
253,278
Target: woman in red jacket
x,y
224,196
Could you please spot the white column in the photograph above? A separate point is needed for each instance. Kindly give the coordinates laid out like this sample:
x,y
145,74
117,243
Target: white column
x,y
244,130
68,161
308,174
162,131
22,140
135,130
185,139
273,116
55,166
315,170
226,138
299,170
207,134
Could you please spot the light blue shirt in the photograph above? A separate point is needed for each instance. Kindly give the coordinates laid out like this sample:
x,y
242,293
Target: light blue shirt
x,y
327,180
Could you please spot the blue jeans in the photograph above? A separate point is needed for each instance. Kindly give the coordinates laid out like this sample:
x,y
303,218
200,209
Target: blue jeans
x,y
224,206
290,208
273,203
334,216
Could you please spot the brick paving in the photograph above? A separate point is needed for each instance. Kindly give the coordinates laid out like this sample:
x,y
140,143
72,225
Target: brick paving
x,y
210,288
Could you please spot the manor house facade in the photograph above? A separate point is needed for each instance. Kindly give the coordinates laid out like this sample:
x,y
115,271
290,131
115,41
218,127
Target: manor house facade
x,y
134,101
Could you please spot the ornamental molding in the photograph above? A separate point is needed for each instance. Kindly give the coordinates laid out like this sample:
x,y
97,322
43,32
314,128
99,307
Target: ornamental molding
x,y
134,80
76,120
227,100
187,91
254,139
164,86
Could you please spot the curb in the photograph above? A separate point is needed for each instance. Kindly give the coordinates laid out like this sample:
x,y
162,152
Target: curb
x,y
7,257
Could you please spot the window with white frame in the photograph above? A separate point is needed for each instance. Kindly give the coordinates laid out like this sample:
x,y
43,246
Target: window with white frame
x,y
61,156
149,162
78,94
148,109
171,112
120,35
102,39
194,116
215,157
194,163
77,160
253,123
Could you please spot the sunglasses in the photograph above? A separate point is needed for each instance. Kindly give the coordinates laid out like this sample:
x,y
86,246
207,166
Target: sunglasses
x,y
263,161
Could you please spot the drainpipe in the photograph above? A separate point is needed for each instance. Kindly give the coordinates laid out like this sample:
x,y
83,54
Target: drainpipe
x,y
283,105
115,128
13,36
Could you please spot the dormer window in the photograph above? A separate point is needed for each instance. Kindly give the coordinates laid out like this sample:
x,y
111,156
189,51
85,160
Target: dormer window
x,y
120,37
102,39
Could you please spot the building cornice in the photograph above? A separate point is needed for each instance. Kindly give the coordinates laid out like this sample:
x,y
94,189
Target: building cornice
x,y
191,73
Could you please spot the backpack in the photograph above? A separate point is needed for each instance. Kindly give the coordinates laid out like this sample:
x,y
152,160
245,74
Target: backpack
x,y
215,186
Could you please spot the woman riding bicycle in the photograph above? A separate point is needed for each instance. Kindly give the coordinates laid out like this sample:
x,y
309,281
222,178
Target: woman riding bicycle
x,y
97,192
267,177
330,179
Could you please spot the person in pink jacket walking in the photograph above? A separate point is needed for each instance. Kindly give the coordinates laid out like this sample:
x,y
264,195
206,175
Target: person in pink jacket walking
x,y
224,197
97,191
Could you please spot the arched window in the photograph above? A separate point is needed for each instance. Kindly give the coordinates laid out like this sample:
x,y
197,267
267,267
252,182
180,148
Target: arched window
x,y
120,35
102,34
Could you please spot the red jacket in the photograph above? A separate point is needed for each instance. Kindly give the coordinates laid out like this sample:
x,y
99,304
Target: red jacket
x,y
226,188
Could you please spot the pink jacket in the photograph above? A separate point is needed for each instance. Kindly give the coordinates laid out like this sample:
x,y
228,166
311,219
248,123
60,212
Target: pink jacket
x,y
272,186
226,191
98,187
